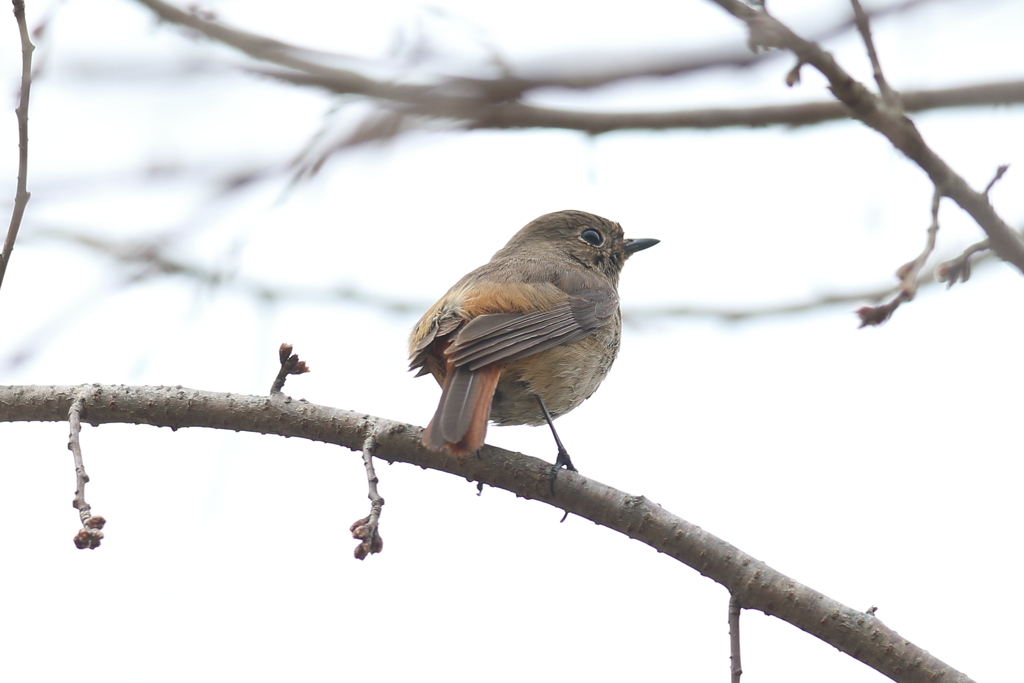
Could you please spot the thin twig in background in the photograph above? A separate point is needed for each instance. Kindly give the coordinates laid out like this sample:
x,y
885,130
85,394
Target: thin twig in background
x,y
150,259
469,103
21,195
889,96
1000,172
614,67
908,275
959,269
155,262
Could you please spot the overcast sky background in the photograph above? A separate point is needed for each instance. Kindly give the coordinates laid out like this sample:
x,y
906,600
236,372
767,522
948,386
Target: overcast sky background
x,y
878,466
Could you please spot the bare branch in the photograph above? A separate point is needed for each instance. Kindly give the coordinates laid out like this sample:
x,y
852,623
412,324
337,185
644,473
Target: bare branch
x,y
766,31
518,115
21,194
614,68
736,668
90,536
959,269
754,584
155,262
366,529
907,273
474,103
1000,172
889,96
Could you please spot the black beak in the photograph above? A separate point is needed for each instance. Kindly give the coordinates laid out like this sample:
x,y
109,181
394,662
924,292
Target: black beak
x,y
633,246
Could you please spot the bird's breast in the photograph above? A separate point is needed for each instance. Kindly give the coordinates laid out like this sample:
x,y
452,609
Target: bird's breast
x,y
563,376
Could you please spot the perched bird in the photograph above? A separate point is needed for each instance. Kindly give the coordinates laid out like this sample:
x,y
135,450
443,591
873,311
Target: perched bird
x,y
528,336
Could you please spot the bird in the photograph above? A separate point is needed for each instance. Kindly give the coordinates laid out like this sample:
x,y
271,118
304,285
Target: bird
x,y
528,336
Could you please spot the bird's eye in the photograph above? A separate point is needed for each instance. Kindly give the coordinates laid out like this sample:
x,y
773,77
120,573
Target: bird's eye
x,y
592,237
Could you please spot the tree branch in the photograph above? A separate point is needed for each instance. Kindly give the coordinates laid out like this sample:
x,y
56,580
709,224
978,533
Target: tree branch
x,y
736,666
90,535
156,262
367,529
889,96
753,584
766,31
475,103
21,195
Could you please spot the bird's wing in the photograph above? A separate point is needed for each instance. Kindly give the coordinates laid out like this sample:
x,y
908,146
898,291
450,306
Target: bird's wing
x,y
504,337
441,327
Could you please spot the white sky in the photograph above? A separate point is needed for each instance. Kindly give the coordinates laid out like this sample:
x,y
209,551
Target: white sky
x,y
879,466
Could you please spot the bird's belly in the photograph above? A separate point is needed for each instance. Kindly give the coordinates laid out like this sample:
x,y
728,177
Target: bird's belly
x,y
563,376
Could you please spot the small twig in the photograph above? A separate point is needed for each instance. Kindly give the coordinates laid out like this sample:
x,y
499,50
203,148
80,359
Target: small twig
x,y
907,273
889,96
90,534
290,365
793,77
959,269
736,668
22,194
1000,172
365,529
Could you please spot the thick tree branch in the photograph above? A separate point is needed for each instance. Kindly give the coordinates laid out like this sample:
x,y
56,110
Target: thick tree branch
x,y
753,584
766,31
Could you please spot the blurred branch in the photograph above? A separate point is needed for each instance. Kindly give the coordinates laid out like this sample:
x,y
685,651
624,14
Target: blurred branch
x,y
908,274
473,103
766,31
152,261
752,583
474,115
959,269
21,195
889,96
615,67
636,315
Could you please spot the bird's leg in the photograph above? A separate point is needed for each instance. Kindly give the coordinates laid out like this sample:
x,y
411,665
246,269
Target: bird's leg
x,y
563,459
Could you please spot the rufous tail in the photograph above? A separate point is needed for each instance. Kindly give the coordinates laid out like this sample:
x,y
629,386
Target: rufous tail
x,y
460,423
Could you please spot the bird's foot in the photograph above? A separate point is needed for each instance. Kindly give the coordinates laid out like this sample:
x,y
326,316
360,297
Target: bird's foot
x,y
563,460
